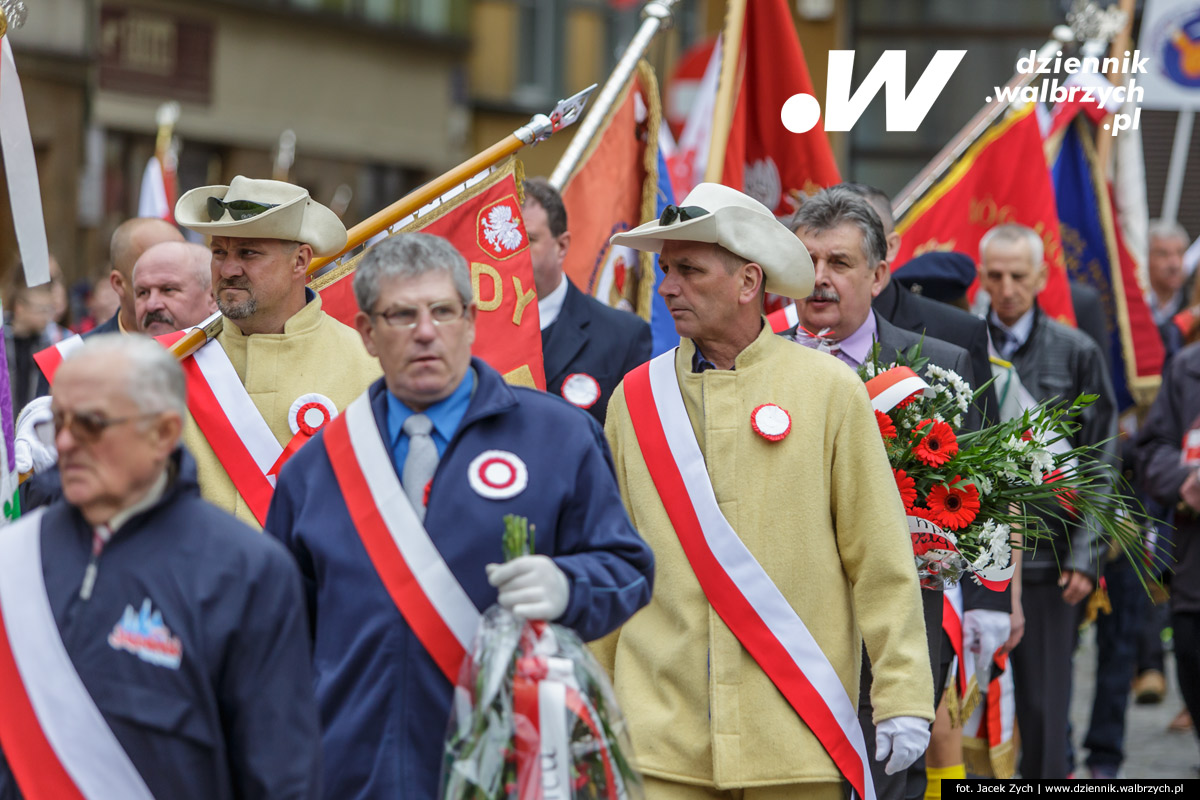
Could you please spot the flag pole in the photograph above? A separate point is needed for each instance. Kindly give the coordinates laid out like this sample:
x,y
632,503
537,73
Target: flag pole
x,y
934,170
656,16
539,128
731,46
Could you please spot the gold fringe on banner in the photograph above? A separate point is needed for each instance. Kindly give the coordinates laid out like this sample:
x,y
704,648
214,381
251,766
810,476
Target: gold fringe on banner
x,y
641,295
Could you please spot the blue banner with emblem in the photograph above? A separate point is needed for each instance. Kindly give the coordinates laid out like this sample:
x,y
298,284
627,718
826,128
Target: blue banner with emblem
x,y
662,326
1087,244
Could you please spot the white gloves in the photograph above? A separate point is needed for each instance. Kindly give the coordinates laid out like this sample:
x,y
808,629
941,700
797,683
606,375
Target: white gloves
x,y
984,632
532,587
33,448
905,738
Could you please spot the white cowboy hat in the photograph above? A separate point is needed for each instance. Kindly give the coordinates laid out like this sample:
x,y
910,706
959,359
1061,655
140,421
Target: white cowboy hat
x,y
716,214
262,209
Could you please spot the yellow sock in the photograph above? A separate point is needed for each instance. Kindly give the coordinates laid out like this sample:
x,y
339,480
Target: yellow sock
x,y
935,775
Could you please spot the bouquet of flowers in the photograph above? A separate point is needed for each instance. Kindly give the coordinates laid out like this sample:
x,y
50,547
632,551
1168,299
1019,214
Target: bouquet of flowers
x,y
534,717
966,492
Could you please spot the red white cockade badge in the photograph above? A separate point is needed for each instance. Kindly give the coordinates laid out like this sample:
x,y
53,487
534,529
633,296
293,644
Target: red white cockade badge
x,y
309,413
500,229
497,475
581,389
771,422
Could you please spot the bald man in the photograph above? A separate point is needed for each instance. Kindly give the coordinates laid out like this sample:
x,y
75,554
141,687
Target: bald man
x,y
172,287
132,238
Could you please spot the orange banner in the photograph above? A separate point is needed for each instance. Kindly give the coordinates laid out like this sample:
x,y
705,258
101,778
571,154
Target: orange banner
x,y
1001,178
484,222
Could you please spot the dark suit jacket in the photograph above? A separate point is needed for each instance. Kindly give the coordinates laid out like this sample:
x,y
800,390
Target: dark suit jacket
x,y
920,314
590,338
1090,317
111,326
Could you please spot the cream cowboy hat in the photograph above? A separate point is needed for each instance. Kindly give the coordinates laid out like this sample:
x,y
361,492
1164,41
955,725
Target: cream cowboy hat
x,y
716,214
262,209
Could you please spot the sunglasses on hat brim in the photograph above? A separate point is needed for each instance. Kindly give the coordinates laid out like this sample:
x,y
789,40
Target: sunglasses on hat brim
x,y
672,214
238,209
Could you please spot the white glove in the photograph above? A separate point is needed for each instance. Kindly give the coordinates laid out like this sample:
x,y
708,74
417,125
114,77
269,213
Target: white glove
x,y
532,587
984,632
905,738
33,448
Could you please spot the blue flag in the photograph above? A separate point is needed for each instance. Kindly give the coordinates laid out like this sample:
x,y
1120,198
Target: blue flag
x,y
662,327
1085,241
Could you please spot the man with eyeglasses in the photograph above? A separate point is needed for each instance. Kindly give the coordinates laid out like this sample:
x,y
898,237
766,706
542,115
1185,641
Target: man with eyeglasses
x,y
281,367
755,470
395,514
151,645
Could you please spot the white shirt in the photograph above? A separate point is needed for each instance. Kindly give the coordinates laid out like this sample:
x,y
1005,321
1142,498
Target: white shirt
x,y
550,305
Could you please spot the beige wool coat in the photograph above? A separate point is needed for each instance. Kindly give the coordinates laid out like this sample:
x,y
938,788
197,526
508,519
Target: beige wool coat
x,y
315,353
820,512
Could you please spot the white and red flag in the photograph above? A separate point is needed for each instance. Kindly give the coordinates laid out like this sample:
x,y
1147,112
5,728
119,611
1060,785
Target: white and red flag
x,y
20,168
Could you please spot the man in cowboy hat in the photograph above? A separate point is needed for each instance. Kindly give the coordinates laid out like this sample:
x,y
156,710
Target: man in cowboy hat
x,y
280,367
756,472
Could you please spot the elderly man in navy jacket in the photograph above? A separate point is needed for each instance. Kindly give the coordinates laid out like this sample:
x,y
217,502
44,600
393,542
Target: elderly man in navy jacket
x,y
395,511
152,645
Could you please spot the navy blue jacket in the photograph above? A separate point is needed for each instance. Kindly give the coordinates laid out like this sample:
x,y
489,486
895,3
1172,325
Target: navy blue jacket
x,y
384,703
235,718
595,339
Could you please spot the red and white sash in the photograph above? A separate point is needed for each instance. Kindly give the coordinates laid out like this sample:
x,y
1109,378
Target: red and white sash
x,y
54,737
734,582
51,358
232,424
430,598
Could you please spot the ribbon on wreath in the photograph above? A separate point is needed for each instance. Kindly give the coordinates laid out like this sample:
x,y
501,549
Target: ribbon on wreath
x,y
891,388
936,550
545,695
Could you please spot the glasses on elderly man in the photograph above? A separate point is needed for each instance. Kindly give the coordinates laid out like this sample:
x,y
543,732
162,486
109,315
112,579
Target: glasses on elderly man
x,y
443,312
238,209
88,426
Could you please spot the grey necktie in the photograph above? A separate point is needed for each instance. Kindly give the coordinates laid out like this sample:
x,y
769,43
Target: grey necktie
x,y
421,462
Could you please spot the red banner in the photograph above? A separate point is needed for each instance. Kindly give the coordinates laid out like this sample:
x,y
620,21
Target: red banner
x,y
762,158
484,222
1001,178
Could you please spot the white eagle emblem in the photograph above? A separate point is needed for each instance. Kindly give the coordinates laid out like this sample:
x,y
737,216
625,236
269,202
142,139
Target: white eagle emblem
x,y
501,229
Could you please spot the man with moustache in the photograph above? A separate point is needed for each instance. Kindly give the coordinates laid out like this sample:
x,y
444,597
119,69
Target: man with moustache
x,y
280,367
755,470
172,287
845,237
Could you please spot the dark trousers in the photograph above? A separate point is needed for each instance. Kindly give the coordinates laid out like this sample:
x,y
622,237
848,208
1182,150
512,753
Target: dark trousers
x,y
1117,636
1150,637
1042,679
1186,628
910,784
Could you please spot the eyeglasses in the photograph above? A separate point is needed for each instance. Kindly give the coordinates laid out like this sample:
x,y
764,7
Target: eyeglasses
x,y
673,214
238,209
441,313
88,426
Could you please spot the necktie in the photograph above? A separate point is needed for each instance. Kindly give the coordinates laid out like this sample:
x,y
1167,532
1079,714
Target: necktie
x,y
818,341
1005,342
421,462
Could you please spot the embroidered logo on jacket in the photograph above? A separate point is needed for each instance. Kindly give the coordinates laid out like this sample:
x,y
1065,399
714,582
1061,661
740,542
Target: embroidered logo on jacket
x,y
143,634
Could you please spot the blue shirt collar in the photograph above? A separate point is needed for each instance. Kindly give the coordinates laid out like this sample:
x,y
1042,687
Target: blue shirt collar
x,y
446,414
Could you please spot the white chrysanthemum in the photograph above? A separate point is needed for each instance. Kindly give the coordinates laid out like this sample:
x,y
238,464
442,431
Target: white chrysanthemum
x,y
983,484
1041,460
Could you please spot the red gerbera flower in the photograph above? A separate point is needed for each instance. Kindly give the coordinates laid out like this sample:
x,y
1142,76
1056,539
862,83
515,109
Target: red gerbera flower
x,y
954,507
886,429
917,511
1063,496
938,446
908,400
907,487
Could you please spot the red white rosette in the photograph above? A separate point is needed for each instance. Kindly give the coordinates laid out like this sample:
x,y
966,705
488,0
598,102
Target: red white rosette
x,y
771,422
309,413
497,475
581,389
